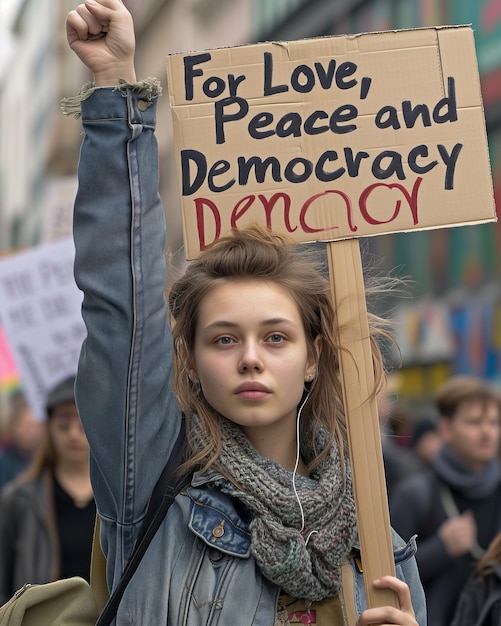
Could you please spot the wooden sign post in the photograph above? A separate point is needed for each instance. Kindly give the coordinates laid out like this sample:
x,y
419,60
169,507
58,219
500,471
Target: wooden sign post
x,y
357,377
332,139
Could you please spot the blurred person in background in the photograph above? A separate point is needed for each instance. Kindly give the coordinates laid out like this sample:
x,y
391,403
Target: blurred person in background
x,y
22,436
425,440
400,424
48,513
480,601
398,460
454,506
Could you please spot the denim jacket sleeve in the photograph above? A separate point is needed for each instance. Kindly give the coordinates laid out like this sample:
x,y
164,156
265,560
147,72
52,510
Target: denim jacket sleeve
x,y
123,387
407,570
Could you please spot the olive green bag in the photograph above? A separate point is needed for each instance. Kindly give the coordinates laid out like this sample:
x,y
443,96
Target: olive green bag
x,y
66,602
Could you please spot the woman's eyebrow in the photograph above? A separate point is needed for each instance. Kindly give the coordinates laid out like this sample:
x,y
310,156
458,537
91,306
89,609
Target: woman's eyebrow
x,y
220,324
278,320
273,321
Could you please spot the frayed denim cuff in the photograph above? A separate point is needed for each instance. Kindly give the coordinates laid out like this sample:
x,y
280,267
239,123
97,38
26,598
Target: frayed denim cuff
x,y
150,88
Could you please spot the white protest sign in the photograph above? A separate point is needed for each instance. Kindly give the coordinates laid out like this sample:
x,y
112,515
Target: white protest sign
x,y
58,213
40,309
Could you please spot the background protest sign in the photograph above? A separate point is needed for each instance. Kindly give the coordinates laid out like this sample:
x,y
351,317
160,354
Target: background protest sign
x,y
331,138
40,309
9,376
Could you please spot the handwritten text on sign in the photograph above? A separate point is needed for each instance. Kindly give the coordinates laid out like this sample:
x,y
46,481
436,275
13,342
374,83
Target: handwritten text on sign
x,y
40,309
331,138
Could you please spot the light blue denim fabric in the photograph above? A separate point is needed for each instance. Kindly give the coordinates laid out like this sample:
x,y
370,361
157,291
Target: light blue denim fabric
x,y
124,396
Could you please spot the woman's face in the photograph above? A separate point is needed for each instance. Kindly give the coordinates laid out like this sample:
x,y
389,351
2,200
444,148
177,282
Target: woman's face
x,y
251,357
67,434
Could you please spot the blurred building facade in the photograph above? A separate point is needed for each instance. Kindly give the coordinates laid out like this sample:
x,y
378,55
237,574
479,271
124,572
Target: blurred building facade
x,y
454,321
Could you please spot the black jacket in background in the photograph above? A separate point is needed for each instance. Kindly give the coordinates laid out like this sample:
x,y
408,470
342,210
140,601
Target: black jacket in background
x,y
480,601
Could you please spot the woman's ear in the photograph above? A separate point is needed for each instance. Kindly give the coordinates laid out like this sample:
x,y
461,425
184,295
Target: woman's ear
x,y
318,347
313,358
190,365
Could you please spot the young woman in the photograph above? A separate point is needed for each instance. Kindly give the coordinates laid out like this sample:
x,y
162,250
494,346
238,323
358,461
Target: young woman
x,y
268,523
47,514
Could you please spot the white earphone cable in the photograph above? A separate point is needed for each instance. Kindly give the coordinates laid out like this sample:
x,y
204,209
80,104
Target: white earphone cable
x,y
296,468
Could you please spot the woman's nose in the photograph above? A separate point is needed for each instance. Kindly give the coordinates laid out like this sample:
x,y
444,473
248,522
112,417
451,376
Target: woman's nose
x,y
250,358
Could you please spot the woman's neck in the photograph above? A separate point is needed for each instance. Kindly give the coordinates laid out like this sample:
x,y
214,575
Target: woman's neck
x,y
75,480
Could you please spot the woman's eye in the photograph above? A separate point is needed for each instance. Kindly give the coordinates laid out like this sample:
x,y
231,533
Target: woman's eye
x,y
224,341
276,338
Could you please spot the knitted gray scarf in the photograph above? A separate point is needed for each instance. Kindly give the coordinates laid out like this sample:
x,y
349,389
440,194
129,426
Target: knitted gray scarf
x,y
303,569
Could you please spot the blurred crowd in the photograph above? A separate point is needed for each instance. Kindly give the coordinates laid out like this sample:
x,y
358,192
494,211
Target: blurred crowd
x,y
443,476
47,509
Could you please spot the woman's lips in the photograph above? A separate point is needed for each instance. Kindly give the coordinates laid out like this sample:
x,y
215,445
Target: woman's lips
x,y
252,391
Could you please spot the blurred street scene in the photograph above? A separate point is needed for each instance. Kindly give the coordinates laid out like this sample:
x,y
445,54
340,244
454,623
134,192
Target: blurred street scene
x,y
447,324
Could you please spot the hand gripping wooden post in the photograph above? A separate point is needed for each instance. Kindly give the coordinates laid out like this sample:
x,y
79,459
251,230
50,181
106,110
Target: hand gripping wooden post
x,y
357,377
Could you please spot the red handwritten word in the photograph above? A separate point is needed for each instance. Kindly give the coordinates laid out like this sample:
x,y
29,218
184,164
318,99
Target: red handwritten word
x,y
205,209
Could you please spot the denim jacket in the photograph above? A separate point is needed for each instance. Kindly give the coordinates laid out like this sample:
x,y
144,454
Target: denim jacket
x,y
188,577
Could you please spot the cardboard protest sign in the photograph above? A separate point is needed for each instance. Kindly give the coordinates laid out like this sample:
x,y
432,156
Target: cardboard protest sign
x,y
40,309
331,138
